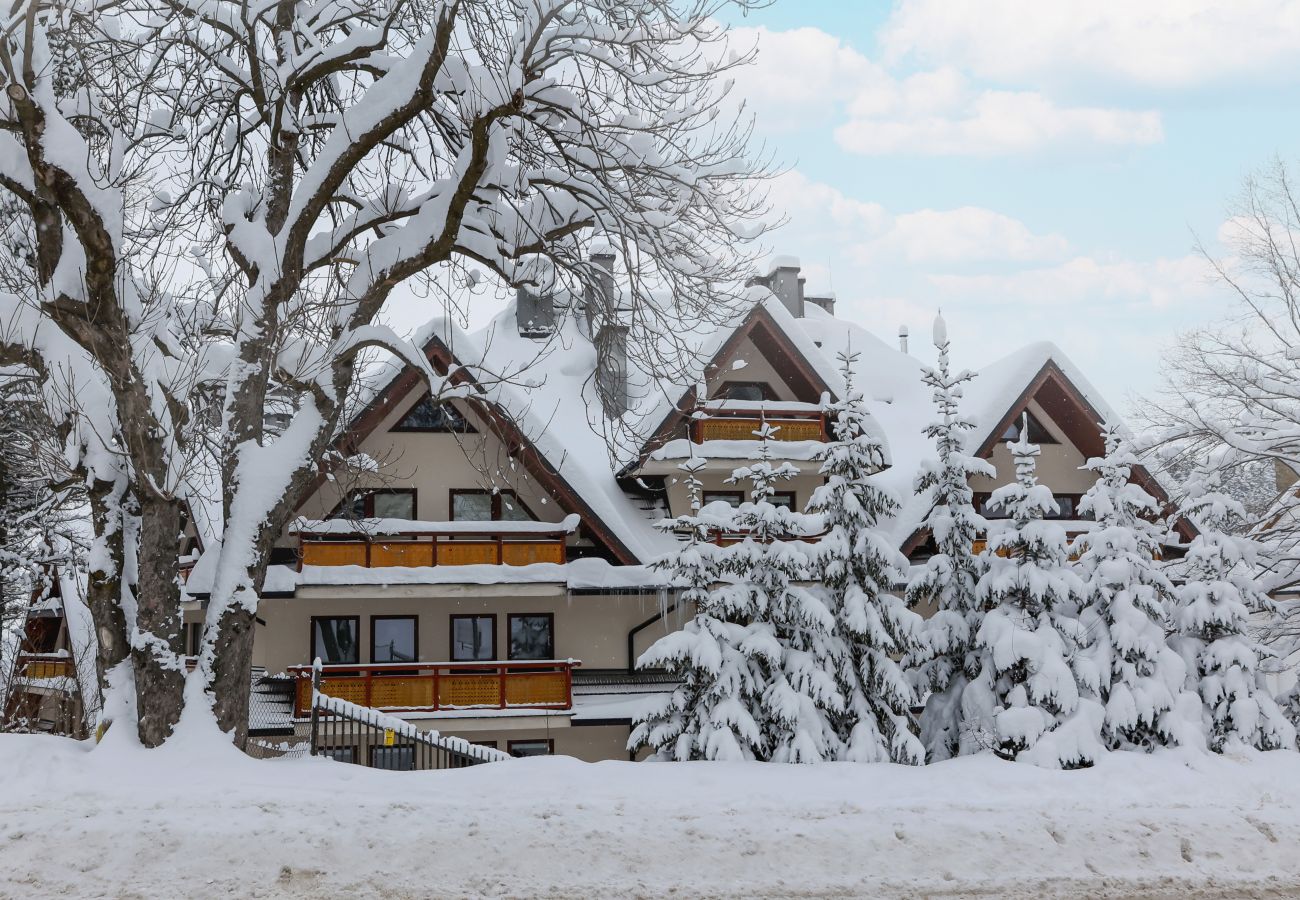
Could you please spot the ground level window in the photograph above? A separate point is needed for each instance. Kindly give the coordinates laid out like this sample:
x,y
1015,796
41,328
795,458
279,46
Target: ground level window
x,y
336,639
473,638
339,754
544,747
532,635
393,639
400,758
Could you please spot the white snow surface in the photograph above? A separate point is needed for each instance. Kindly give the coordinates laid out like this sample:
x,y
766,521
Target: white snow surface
x,y
197,819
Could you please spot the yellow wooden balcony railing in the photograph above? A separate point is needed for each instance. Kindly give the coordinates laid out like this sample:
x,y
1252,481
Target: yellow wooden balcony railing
x,y
39,665
718,427
429,687
433,548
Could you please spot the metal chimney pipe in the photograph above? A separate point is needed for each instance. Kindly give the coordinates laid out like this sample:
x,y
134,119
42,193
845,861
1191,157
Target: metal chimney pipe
x,y
902,338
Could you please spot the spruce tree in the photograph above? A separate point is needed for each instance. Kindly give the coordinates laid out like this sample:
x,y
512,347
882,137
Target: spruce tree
x,y
948,661
714,710
793,631
1031,670
1219,591
857,568
1126,607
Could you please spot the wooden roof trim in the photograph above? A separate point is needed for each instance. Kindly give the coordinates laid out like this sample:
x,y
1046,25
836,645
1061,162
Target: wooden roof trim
x,y
503,427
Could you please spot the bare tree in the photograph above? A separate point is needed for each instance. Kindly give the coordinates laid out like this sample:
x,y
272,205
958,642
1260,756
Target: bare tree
x,y
219,194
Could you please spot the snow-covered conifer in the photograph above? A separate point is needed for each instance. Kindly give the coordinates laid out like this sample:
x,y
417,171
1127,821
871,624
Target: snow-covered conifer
x,y
1031,669
857,568
1218,593
947,583
1140,678
711,712
793,630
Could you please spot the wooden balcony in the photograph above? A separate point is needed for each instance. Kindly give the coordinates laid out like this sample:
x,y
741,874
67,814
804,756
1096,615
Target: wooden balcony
x,y
433,687
736,423
442,547
43,665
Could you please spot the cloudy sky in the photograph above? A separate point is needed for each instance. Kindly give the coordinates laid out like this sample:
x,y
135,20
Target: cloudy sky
x,y
1040,170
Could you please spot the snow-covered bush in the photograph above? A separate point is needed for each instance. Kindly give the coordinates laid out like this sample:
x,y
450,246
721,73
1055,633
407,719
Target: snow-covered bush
x,y
947,662
857,568
1039,686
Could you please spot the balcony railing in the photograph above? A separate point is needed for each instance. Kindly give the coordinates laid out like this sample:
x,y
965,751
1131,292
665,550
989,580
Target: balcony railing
x,y
43,665
738,423
433,687
337,543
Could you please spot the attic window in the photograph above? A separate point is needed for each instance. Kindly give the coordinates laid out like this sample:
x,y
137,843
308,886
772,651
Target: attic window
x,y
746,391
426,416
1037,433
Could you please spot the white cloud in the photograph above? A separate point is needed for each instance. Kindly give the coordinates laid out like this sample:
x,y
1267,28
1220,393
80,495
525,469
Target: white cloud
x,y
805,78
963,235
1162,43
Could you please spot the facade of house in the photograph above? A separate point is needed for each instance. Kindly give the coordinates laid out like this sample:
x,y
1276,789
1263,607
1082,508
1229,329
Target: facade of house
x,y
481,566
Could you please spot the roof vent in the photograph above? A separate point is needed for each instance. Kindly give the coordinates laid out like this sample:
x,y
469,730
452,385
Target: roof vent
x,y
825,302
902,338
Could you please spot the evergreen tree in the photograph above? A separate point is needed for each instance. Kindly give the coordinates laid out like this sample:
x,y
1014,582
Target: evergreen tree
x,y
1214,603
948,661
792,630
858,567
1126,606
1289,703
713,713
1031,670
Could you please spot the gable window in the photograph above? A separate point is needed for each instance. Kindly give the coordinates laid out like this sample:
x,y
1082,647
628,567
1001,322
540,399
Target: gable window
x,y
1037,433
426,415
336,639
746,391
393,639
532,635
473,638
474,505
386,503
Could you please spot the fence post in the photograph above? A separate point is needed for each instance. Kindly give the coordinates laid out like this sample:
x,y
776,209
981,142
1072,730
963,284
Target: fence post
x,y
315,709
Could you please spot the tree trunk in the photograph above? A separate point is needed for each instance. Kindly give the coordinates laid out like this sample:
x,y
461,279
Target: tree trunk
x,y
157,652
104,581
232,672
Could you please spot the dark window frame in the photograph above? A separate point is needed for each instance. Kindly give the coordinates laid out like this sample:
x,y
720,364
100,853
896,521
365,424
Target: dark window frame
x,y
311,639
1043,436
794,499
549,742
370,756
453,493
769,395
464,427
451,635
739,497
415,621
368,509
981,499
510,617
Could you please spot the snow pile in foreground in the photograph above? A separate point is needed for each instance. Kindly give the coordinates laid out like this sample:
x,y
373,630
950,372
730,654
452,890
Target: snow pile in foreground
x,y
201,821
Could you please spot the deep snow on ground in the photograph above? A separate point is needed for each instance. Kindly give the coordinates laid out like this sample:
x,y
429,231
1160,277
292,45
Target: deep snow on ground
x,y
199,820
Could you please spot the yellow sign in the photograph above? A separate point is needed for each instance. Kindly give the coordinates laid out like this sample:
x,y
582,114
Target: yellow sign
x,y
388,737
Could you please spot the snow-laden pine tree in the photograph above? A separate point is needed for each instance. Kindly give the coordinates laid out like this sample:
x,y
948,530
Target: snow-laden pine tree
x,y
1126,608
1289,702
794,632
1038,684
711,714
857,567
1218,593
948,661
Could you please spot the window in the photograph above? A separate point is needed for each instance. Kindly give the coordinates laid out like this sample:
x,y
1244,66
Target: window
x,y
335,639
400,758
784,498
734,498
474,505
339,754
393,639
1037,433
532,635
388,503
541,747
746,391
425,415
473,638
1067,507
193,638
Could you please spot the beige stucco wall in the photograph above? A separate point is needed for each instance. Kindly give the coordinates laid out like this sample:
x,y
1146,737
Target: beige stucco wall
x,y
592,629
1058,464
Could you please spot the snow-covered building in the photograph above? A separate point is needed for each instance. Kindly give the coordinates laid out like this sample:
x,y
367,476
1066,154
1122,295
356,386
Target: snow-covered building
x,y
480,566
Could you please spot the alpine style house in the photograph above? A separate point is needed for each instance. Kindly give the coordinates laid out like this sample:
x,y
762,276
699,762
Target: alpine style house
x,y
483,569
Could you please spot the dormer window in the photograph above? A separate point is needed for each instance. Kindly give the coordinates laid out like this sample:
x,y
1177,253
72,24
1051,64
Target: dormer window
x,y
746,391
425,415
1037,433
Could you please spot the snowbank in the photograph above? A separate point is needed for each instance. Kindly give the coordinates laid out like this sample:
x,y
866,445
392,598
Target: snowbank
x,y
207,822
